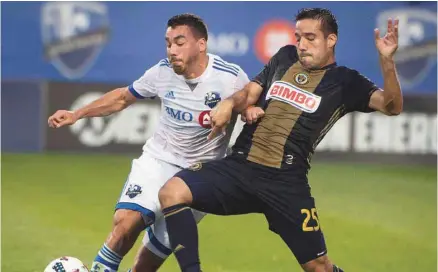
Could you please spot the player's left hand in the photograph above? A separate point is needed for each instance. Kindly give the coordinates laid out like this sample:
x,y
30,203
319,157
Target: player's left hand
x,y
220,117
252,114
388,44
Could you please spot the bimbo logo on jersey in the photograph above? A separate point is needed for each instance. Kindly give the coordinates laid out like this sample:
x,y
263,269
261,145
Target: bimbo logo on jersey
x,y
73,35
179,114
294,96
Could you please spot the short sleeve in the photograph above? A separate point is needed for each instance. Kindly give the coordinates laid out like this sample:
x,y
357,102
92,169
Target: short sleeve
x,y
144,87
263,77
241,81
358,92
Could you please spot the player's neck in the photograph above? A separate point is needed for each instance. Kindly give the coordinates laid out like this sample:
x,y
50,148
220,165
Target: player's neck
x,y
329,61
198,67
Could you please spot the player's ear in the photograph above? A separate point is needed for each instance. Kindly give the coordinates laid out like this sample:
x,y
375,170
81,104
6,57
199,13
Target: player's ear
x,y
202,45
332,40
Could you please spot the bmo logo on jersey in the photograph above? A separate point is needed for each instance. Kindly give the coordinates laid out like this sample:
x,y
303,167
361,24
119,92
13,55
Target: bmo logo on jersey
x,y
294,96
179,114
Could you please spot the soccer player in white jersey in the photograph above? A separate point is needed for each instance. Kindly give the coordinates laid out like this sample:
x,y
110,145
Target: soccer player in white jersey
x,y
190,82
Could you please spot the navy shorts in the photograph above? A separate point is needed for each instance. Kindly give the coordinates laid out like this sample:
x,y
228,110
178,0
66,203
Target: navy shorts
x,y
234,185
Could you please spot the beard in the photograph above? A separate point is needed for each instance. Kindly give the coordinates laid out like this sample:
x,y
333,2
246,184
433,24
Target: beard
x,y
181,66
306,64
309,63
179,70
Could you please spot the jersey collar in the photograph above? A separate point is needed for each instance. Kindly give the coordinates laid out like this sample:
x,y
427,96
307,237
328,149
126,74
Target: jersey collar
x,y
204,75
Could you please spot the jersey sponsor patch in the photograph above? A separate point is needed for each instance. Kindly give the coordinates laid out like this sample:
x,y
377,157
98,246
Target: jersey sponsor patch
x,y
179,114
204,119
299,98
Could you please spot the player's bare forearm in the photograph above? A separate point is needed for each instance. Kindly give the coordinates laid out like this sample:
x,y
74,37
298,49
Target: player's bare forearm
x,y
238,100
246,97
113,101
390,99
391,87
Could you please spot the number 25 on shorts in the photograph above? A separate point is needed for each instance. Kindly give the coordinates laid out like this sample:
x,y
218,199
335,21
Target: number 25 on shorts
x,y
310,214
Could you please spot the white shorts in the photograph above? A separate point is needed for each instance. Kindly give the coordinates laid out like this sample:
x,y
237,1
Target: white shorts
x,y
140,193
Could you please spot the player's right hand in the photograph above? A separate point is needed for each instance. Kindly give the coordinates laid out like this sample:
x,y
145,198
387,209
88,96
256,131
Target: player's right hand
x,y
252,114
62,118
220,117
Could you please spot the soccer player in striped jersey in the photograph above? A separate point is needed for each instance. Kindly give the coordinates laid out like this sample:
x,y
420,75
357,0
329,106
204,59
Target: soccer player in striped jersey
x,y
190,82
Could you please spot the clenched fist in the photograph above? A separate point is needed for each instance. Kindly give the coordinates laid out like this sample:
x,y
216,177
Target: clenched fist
x,y
252,114
220,118
62,118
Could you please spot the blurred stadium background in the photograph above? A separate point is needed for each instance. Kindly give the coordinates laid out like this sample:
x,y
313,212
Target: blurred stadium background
x,y
374,177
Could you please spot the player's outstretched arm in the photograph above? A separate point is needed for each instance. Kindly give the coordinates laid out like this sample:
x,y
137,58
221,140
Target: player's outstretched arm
x,y
389,100
113,101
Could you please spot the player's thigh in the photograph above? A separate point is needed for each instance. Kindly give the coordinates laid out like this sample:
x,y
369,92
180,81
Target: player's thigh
x,y
217,187
299,227
140,192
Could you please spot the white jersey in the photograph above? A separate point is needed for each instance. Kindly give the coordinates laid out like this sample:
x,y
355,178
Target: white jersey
x,y
181,135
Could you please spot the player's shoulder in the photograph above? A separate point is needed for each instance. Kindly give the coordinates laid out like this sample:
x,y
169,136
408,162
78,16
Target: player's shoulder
x,y
287,52
288,49
348,73
162,70
225,68
163,63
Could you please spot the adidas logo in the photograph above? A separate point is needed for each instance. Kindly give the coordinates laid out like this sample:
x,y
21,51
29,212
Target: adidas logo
x,y
170,95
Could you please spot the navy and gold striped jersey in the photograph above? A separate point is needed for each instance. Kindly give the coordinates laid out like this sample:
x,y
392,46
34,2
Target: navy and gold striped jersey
x,y
300,108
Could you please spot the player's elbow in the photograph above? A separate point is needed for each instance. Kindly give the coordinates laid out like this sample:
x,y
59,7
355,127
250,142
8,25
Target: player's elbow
x,y
122,104
394,113
387,105
123,98
394,109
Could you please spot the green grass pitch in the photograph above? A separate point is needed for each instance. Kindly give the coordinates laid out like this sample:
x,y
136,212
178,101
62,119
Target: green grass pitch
x,y
375,218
